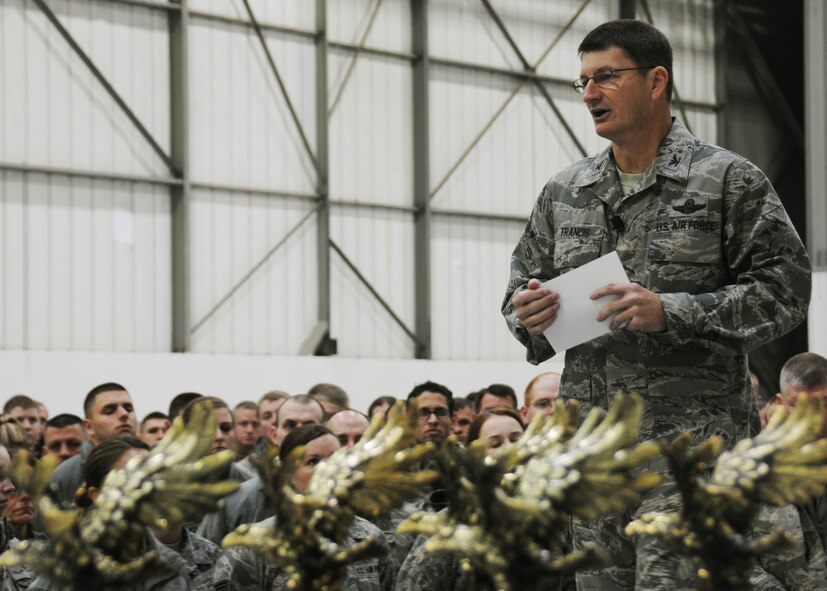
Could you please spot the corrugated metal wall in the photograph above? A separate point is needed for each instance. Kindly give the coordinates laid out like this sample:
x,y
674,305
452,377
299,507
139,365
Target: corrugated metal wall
x,y
86,259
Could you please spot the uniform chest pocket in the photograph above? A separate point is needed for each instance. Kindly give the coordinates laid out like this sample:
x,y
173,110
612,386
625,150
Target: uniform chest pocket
x,y
575,246
685,262
700,248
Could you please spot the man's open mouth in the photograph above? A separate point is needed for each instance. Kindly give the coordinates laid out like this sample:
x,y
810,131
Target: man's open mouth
x,y
599,113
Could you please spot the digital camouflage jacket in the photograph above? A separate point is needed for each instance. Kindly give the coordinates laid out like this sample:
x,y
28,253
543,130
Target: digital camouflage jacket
x,y
706,231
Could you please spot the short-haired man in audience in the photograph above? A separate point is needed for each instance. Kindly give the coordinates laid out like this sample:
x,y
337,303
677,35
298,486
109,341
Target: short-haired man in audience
x,y
249,504
245,429
496,396
330,396
153,428
63,437
179,403
108,413
24,410
348,426
296,411
540,396
435,408
381,405
268,406
805,373
42,414
464,415
223,435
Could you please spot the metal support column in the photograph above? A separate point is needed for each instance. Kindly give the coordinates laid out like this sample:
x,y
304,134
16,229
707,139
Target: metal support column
x,y
180,194
422,179
815,149
815,116
628,9
721,67
325,346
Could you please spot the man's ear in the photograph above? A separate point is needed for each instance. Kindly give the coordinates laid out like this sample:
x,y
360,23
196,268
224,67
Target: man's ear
x,y
524,415
90,432
773,404
660,80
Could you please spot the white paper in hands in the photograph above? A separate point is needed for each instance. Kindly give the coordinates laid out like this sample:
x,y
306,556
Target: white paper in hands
x,y
577,318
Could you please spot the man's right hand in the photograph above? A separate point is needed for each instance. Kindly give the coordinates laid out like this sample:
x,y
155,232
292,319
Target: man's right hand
x,y
536,307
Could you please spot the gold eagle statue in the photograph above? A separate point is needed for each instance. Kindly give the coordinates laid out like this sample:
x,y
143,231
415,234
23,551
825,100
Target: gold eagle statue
x,y
306,538
722,493
508,514
101,547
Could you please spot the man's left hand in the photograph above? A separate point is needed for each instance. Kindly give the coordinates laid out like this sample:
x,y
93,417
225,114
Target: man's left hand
x,y
636,308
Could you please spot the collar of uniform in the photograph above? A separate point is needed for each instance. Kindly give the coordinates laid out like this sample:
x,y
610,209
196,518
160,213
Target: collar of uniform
x,y
675,153
596,169
173,565
672,160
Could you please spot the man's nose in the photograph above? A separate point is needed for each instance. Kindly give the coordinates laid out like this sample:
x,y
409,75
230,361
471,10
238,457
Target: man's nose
x,y
590,91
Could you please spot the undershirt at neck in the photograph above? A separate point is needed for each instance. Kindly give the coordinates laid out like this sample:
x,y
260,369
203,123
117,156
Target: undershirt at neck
x,y
628,180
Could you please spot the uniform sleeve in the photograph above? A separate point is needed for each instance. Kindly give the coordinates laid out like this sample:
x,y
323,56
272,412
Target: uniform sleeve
x,y
214,525
798,565
433,571
768,267
532,258
239,569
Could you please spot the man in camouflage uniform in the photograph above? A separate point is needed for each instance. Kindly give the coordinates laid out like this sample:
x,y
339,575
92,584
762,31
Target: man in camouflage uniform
x,y
714,264
805,373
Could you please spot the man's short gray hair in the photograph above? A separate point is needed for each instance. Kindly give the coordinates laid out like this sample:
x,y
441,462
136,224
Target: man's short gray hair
x,y
807,371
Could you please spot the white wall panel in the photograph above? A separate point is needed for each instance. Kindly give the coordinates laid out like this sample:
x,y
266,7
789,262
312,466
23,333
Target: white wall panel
x,y
470,261
689,25
524,146
275,309
297,14
59,114
704,124
241,129
536,24
391,30
371,131
380,244
86,264
563,61
461,30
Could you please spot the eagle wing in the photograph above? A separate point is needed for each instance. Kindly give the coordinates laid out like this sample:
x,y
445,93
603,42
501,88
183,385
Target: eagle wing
x,y
102,547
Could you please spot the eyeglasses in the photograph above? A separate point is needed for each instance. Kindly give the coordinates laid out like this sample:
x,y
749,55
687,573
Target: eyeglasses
x,y
425,413
602,76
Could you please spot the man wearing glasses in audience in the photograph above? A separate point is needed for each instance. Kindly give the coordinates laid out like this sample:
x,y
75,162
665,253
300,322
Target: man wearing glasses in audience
x,y
540,395
435,407
434,410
